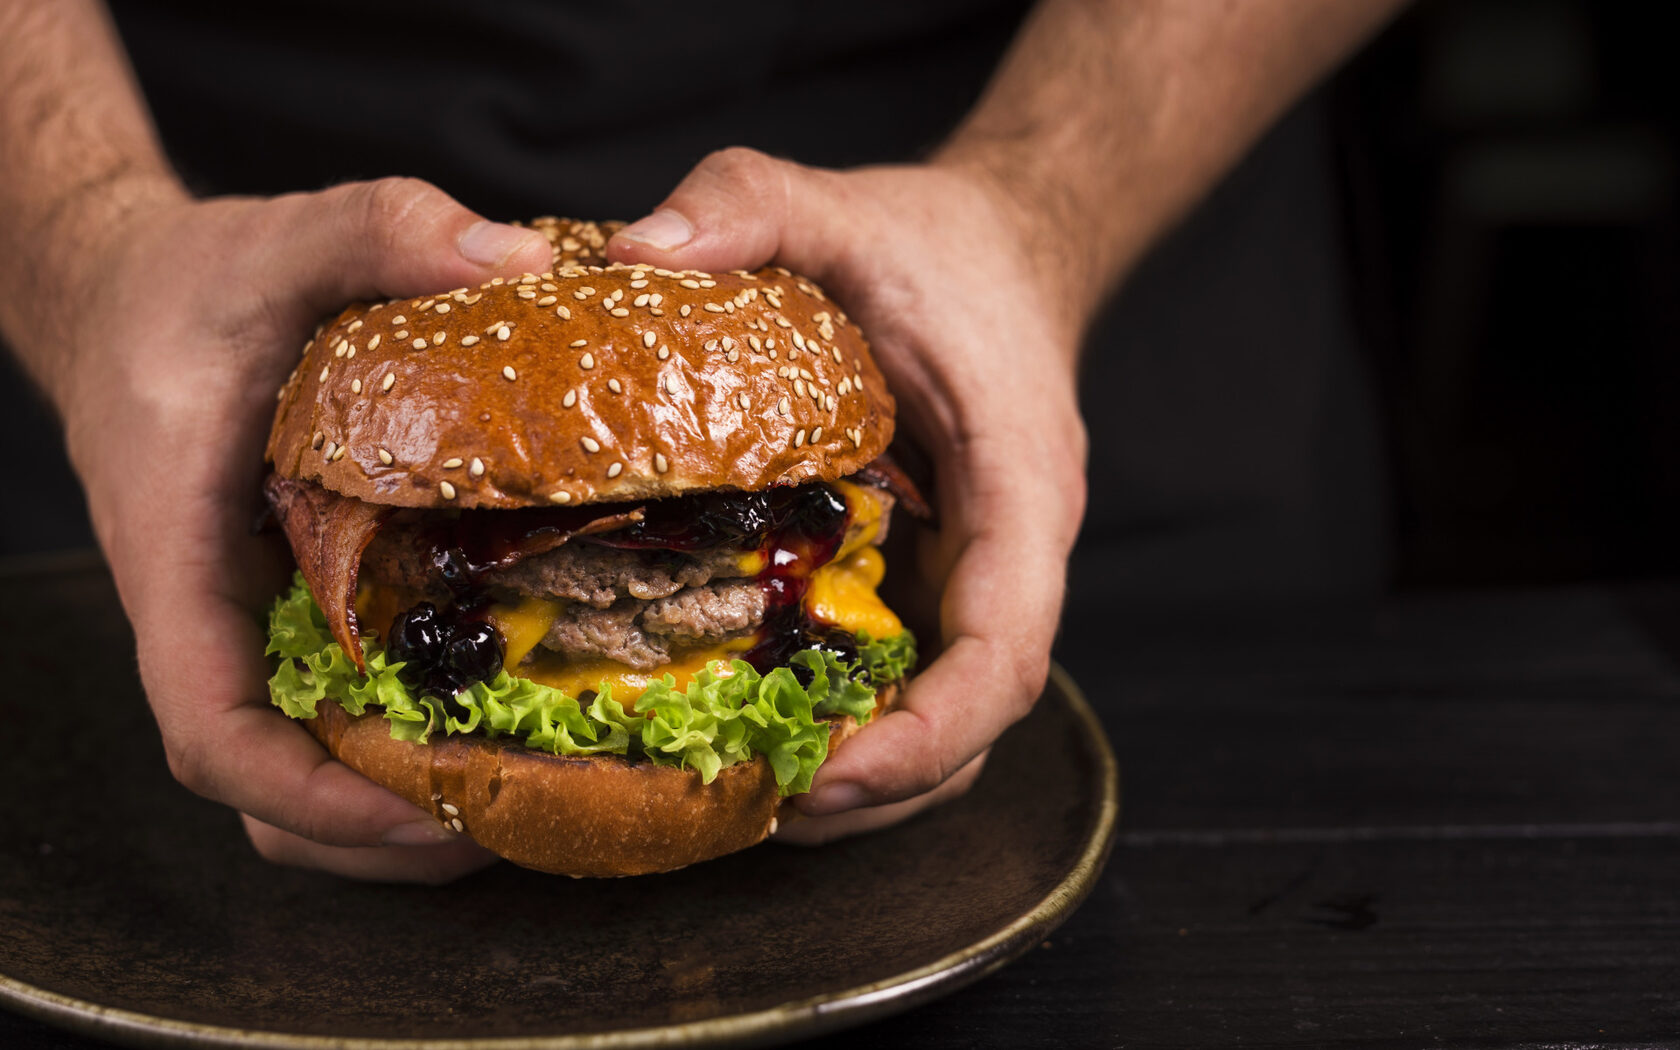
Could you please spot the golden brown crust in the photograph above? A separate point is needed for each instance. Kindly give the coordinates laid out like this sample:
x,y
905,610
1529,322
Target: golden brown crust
x,y
599,816
591,383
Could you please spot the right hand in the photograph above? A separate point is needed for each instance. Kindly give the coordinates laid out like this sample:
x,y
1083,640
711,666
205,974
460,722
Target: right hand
x,y
168,361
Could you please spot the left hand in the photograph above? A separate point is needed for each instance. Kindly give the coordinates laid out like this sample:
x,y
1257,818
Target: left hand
x,y
977,335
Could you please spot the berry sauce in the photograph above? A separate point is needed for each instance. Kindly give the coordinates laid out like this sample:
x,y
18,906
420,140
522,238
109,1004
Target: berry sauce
x,y
796,529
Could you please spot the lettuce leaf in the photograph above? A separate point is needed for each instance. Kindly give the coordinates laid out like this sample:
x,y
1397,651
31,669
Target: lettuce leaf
x,y
716,721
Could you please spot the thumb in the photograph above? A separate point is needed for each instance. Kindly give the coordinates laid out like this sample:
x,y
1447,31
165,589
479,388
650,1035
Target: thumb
x,y
389,238
738,210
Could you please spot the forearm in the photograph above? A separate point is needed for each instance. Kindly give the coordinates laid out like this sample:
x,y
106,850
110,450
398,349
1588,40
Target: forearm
x,y
78,152
1109,119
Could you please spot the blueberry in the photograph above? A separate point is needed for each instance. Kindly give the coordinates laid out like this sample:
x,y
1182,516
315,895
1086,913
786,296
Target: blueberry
x,y
474,652
417,637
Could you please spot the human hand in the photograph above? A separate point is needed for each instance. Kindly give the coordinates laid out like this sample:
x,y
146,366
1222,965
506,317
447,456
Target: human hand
x,y
166,376
977,333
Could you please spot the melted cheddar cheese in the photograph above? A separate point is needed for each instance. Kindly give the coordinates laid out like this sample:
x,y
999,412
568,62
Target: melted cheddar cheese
x,y
843,593
524,625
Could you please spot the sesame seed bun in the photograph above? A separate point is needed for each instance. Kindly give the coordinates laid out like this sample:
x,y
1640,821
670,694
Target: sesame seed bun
x,y
589,383
595,816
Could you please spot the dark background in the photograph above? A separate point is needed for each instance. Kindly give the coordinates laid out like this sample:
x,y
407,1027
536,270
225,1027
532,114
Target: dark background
x,y
1507,173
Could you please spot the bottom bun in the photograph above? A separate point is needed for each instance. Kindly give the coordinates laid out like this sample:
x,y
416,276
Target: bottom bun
x,y
601,815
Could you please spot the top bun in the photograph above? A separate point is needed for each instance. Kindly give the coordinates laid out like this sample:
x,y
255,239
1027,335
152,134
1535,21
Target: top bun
x,y
590,383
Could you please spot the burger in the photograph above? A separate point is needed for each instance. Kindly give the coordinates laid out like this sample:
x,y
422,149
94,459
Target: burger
x,y
587,560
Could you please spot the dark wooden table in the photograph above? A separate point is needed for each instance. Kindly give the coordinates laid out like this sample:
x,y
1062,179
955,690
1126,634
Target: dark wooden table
x,y
1453,822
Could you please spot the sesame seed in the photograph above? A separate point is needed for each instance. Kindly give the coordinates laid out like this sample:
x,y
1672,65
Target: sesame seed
x,y
587,291
385,457
569,400
857,381
711,345
452,462
355,386
799,438
355,326
816,435
452,810
654,311
648,339
707,283
799,340
586,362
756,344
733,356
578,295
783,322
339,348
549,287
526,293
563,313
689,282
529,278
493,326
324,373
442,308
373,344
427,305
328,450
447,489
457,825
641,300
656,299
339,453
315,442
439,337
560,497
671,386
837,356
659,462
579,342
728,343
420,344
685,309
784,406
742,401
401,335
615,386
503,332
664,352
620,311
398,319
799,387
829,404
471,340
856,434
589,444
615,470
771,343
713,308
477,468
637,275
548,300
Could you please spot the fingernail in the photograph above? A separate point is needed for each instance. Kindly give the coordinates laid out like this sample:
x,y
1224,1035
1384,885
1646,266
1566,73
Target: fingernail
x,y
418,833
493,243
664,230
833,798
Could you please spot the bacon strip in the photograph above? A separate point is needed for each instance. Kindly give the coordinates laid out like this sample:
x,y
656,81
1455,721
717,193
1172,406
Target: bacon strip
x,y
328,533
883,473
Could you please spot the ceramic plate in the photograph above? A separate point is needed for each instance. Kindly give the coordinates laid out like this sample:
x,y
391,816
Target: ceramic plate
x,y
134,912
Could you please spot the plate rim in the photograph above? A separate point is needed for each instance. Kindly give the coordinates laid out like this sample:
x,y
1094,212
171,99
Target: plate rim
x,y
813,1015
